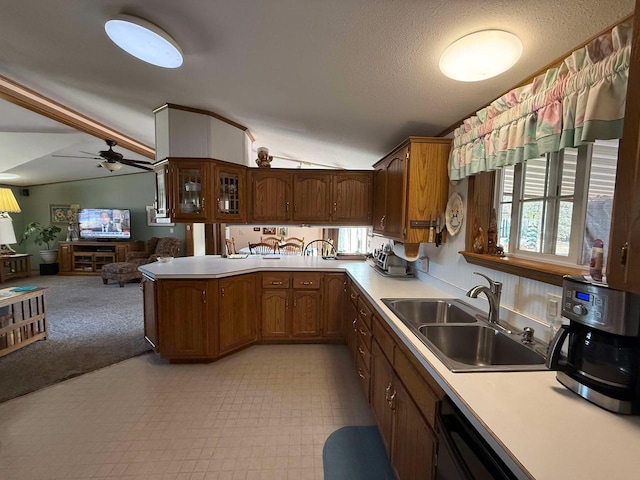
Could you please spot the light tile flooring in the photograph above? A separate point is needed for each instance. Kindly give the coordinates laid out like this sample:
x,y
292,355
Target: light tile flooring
x,y
262,413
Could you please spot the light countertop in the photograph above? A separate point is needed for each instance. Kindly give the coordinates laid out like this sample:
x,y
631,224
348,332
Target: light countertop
x,y
534,423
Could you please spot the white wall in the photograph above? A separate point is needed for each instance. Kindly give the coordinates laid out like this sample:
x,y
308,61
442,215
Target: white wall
x,y
523,300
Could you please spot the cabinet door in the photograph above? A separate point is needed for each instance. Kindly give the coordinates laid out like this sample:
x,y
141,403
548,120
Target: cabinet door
x,y
395,195
381,390
311,193
351,322
65,257
270,196
275,313
149,304
237,313
306,313
333,286
413,447
230,194
624,253
162,190
183,318
190,182
379,199
352,198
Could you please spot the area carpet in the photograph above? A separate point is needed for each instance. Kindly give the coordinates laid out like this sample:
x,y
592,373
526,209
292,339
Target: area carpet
x,y
356,453
90,326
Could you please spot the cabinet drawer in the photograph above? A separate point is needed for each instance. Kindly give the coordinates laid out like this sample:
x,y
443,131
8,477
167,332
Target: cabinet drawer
x,y
363,375
353,294
276,280
307,281
364,333
425,399
363,352
364,312
387,345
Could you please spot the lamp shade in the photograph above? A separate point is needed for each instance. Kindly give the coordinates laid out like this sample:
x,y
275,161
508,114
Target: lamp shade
x,y
8,202
7,235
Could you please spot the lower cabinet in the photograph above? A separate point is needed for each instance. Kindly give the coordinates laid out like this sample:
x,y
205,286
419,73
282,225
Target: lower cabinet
x,y
381,384
275,313
237,312
148,287
184,317
306,314
333,290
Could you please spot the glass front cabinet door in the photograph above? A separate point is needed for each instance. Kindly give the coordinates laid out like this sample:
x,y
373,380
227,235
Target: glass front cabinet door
x,y
189,181
230,193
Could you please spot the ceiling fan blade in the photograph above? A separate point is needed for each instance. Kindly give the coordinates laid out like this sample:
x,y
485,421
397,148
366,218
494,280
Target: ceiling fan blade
x,y
88,153
75,156
144,162
131,164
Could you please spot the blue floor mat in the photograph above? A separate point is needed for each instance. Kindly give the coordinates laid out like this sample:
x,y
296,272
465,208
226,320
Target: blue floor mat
x,y
354,453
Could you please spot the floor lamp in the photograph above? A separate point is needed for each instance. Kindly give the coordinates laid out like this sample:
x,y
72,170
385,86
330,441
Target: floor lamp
x,y
8,204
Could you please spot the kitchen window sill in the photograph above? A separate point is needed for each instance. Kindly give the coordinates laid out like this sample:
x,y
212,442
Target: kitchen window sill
x,y
533,269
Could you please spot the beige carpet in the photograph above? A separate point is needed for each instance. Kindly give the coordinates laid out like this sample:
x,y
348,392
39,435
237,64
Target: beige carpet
x,y
90,326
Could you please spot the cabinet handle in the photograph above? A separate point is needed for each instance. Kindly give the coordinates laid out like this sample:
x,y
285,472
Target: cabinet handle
x,y
353,296
286,207
360,374
276,283
295,302
295,207
355,320
363,313
335,206
623,253
382,219
222,294
387,391
286,303
363,333
361,351
306,283
204,295
391,399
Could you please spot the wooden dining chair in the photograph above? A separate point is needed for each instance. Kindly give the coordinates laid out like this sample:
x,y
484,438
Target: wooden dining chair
x,y
275,241
262,248
290,249
299,241
320,247
231,246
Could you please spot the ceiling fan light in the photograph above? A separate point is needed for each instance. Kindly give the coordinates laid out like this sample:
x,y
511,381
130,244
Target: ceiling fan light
x,y
481,55
144,40
112,167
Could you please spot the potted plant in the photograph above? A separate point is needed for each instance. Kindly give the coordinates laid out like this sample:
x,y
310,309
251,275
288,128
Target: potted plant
x,y
43,235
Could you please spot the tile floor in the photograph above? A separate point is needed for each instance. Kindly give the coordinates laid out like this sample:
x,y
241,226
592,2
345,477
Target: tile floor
x,y
263,413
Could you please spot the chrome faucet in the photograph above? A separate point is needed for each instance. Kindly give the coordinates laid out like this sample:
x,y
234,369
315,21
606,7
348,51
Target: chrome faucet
x,y
492,292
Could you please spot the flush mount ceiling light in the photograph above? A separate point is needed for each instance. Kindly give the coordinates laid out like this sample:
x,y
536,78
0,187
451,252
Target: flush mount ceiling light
x,y
144,40
8,176
481,55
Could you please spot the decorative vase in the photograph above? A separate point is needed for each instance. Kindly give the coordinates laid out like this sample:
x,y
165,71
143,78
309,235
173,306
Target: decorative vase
x,y
49,256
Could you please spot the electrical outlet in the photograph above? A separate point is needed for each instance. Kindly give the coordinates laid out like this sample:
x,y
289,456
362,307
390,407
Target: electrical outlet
x,y
422,264
554,303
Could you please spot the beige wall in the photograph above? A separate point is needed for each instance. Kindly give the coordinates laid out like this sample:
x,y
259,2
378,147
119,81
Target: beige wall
x,y
243,235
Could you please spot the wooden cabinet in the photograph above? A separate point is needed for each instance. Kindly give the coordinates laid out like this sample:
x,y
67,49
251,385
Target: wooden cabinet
x,y
275,319
382,378
88,257
332,305
306,314
271,195
311,197
411,187
184,318
201,190
237,312
148,286
624,252
283,196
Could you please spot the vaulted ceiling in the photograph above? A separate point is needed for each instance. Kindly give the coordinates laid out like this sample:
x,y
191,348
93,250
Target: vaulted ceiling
x,y
337,82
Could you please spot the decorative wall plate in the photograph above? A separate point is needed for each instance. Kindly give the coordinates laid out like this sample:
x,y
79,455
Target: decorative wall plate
x,y
454,214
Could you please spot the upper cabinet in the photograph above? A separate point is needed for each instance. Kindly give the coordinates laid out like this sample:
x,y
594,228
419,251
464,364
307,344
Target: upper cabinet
x,y
201,190
624,253
270,195
352,198
411,188
311,197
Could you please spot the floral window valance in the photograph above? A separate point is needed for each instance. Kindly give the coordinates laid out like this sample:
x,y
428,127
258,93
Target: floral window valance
x,y
578,102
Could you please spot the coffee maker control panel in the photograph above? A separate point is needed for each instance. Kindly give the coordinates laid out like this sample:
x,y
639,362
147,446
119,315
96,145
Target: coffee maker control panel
x,y
598,306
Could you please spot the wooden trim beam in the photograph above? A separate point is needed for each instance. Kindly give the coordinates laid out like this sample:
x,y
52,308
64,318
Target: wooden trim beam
x,y
31,100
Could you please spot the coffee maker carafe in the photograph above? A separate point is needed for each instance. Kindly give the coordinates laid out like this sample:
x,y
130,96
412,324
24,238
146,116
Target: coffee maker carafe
x,y
603,352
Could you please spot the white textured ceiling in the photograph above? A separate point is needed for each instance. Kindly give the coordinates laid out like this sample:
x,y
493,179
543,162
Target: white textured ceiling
x,y
335,82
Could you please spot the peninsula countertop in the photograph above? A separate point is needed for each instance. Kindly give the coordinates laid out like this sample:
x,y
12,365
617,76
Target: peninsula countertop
x,y
541,429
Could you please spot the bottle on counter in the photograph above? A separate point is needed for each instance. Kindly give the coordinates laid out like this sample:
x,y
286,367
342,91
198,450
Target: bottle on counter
x,y
595,266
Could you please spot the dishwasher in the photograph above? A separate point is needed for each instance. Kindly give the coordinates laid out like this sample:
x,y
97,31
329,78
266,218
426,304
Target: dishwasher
x,y
462,453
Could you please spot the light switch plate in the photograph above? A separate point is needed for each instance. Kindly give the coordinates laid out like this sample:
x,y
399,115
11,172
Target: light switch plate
x,y
553,306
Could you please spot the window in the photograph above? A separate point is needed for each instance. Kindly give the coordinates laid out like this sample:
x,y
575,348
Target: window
x,y
353,240
557,205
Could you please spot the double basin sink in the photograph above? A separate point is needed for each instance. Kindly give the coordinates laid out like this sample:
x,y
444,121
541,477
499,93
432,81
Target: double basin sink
x,y
461,339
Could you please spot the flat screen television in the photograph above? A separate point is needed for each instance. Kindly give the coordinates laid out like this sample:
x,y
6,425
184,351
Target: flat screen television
x,y
104,224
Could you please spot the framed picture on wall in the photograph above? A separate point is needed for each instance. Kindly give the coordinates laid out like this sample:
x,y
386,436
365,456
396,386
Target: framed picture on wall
x,y
155,221
283,231
268,230
64,213
256,229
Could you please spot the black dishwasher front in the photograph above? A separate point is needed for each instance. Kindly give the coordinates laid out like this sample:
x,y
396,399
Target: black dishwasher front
x,y
462,453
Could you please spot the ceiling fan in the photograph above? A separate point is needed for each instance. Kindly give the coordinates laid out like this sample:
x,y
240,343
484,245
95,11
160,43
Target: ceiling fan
x,y
111,160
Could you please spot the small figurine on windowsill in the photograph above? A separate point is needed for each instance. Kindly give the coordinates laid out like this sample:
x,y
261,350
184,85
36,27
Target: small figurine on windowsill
x,y
499,251
264,159
478,238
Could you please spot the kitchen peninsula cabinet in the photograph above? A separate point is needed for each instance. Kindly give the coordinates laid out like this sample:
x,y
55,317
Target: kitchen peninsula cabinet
x,y
411,187
237,312
306,315
332,305
185,314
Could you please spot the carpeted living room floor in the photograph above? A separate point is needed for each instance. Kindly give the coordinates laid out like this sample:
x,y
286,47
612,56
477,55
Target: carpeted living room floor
x,y
90,325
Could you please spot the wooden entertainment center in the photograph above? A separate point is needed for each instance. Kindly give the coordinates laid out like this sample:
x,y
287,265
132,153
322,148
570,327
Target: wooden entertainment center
x,y
88,257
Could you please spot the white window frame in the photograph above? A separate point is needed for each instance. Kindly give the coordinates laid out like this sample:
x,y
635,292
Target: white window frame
x,y
551,198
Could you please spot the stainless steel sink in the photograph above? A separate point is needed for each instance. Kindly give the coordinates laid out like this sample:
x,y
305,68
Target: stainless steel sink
x,y
420,311
459,335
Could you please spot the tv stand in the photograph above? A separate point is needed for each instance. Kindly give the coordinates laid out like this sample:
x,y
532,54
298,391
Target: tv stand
x,y
87,257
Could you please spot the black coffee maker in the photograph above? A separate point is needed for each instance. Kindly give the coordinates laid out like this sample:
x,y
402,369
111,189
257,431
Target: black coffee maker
x,y
603,353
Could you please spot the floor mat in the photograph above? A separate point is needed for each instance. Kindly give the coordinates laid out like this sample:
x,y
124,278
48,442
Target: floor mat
x,y
354,453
